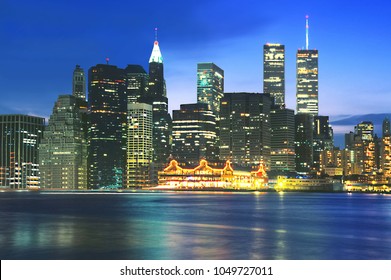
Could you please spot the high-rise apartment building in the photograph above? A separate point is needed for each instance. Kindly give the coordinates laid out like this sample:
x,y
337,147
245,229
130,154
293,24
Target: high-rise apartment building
x,y
139,145
194,134
274,72
307,80
282,155
63,148
245,129
107,126
210,86
20,136
79,83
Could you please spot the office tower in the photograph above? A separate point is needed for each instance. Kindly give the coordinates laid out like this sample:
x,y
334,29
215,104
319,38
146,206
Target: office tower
x,y
20,136
210,86
194,134
307,79
136,83
107,122
157,97
282,155
323,139
63,148
245,129
304,143
364,130
79,83
274,72
386,127
139,145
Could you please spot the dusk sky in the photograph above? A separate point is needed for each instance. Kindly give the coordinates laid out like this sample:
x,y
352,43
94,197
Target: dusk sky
x,y
42,41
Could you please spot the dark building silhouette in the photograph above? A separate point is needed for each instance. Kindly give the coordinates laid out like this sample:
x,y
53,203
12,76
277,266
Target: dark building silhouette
x,y
245,129
304,143
194,134
107,123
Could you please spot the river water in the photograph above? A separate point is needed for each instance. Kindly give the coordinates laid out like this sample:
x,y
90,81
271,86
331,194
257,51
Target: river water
x,y
207,226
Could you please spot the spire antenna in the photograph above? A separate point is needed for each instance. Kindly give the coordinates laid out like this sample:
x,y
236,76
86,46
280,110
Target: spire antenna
x,y
156,34
306,32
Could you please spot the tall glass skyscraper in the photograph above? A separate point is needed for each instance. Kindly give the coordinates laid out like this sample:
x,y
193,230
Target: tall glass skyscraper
x,y
210,86
245,129
20,136
107,126
307,79
274,72
194,134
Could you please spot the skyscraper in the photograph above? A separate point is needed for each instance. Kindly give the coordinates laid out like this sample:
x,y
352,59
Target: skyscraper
x,y
210,86
304,143
107,126
63,148
157,97
139,145
79,83
274,72
307,79
20,136
323,139
194,134
385,162
136,83
282,157
245,129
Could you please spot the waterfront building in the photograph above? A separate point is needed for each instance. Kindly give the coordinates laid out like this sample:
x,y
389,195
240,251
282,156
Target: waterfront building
x,y
63,148
385,163
20,136
107,124
282,144
365,134
204,177
194,134
274,72
304,143
210,86
79,83
139,145
307,79
157,97
245,133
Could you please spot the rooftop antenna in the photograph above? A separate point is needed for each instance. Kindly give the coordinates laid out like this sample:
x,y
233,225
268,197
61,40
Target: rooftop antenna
x,y
306,32
155,34
107,60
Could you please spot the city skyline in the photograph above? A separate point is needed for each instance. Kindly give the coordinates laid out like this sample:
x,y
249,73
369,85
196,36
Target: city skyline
x,y
43,43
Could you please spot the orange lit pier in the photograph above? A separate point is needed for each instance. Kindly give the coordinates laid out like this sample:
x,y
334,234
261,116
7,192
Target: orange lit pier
x,y
204,177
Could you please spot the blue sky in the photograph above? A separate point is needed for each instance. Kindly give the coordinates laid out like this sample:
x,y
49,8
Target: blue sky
x,y
42,41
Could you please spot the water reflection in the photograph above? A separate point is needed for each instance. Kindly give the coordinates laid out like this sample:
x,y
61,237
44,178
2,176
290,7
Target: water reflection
x,y
194,226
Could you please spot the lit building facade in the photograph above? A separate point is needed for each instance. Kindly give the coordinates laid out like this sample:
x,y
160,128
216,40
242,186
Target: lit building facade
x,y
63,148
274,72
107,126
194,134
79,83
245,133
385,153
307,82
139,145
137,80
304,143
323,139
282,145
20,136
210,86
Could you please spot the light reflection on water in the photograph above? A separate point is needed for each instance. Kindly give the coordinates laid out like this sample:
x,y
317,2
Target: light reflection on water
x,y
194,226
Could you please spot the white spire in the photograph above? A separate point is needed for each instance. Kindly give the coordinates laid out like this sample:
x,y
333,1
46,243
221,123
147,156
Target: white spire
x,y
306,32
156,55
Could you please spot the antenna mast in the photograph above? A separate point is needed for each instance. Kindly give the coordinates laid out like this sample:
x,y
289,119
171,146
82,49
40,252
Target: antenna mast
x,y
155,34
306,32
